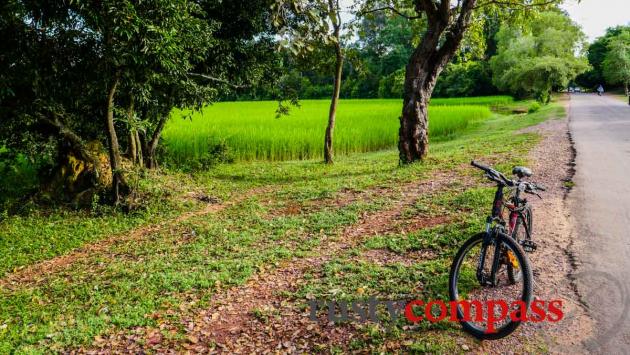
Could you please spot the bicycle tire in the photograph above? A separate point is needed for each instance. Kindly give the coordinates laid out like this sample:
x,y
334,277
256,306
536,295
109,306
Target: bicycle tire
x,y
526,296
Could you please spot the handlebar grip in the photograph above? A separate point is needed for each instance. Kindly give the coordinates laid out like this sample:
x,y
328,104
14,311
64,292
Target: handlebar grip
x,y
480,166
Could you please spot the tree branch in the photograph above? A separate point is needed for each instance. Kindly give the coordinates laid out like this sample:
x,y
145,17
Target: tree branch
x,y
76,143
456,33
392,9
428,6
513,3
219,80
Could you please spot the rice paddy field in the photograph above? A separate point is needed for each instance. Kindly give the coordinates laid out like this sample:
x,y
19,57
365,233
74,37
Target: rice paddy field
x,y
251,130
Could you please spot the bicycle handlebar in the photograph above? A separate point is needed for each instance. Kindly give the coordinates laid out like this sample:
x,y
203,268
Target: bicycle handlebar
x,y
496,176
493,174
480,166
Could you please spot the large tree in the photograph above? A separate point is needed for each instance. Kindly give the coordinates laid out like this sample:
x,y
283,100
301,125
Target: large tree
x,y
596,54
446,24
534,58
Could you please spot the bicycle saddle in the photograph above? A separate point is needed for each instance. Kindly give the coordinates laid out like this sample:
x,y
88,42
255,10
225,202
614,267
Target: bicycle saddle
x,y
521,171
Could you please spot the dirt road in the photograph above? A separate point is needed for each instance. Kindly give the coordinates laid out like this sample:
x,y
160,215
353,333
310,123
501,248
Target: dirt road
x,y
600,201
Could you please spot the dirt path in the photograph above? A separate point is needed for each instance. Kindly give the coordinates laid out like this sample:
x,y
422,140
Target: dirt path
x,y
41,271
233,323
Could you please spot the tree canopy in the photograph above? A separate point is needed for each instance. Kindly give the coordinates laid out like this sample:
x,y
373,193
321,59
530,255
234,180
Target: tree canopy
x,y
616,64
70,69
533,59
597,52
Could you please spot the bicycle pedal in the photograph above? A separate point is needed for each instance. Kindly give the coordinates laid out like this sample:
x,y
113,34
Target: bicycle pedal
x,y
529,246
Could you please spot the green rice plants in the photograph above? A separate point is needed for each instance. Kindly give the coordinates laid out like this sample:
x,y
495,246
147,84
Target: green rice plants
x,y
251,131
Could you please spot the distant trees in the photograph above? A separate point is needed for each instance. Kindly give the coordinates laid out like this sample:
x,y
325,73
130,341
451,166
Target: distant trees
x,y
538,56
375,57
472,78
597,52
616,64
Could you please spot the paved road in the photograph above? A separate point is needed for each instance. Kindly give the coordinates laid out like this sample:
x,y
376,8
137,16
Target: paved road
x,y
600,200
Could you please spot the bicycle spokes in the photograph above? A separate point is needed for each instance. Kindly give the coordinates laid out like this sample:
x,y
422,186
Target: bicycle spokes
x,y
486,272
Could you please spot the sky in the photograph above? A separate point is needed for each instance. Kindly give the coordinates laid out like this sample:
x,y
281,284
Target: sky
x,y
596,15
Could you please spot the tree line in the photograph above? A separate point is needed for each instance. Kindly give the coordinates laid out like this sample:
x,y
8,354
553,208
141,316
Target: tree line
x,y
86,87
609,56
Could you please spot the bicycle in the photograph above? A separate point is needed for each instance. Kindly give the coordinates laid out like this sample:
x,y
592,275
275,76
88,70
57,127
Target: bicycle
x,y
500,266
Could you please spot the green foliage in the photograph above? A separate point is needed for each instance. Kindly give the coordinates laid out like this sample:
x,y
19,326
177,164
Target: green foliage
x,y
59,59
215,153
18,178
465,79
252,132
539,57
616,65
482,100
597,52
391,86
534,107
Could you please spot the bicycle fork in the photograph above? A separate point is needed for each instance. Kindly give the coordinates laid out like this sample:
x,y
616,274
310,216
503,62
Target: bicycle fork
x,y
489,240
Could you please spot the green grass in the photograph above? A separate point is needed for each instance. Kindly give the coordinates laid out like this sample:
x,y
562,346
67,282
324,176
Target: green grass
x,y
116,290
252,132
481,100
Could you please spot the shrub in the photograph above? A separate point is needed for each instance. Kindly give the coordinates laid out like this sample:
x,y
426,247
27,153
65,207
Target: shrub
x,y
533,107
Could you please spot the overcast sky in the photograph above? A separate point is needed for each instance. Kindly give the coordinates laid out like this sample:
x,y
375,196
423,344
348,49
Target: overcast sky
x,y
596,15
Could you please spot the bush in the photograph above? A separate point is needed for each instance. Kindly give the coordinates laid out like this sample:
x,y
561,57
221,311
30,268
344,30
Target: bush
x,y
533,107
18,178
392,85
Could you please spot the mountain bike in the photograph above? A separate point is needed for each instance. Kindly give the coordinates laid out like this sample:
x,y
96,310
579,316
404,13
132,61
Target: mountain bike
x,y
492,265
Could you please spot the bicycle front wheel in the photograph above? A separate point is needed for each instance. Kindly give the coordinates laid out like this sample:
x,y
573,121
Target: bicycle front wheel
x,y
489,304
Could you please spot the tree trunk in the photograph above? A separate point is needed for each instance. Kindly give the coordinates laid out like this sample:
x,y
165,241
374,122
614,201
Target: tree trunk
x,y
133,148
328,140
420,76
118,181
75,143
436,49
151,146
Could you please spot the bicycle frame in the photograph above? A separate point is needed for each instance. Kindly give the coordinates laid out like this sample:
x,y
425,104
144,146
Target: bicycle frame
x,y
517,209
495,224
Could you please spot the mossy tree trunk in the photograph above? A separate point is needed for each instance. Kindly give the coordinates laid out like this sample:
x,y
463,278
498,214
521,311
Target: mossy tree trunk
x,y
119,184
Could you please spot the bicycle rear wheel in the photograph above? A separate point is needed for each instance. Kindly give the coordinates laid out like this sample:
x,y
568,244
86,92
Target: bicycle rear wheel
x,y
478,294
